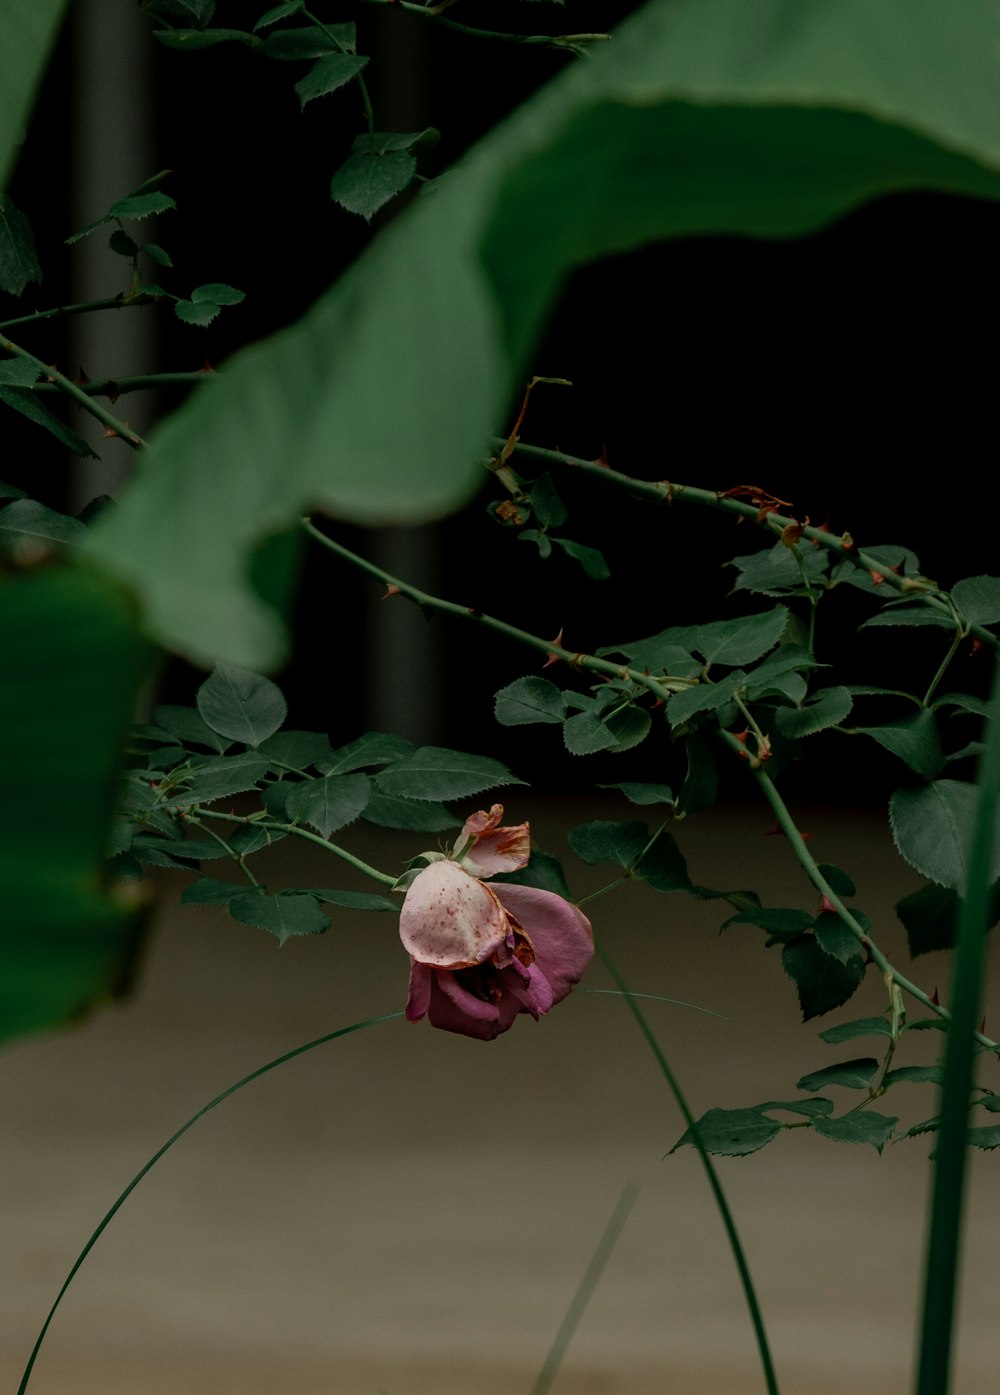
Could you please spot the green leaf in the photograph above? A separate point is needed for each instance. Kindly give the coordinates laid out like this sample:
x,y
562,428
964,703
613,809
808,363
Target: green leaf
x,y
436,773
354,900
737,642
28,29
200,312
345,408
963,701
914,740
188,725
860,1027
915,616
787,659
327,74
978,599
705,697
25,518
823,982
309,42
374,748
195,39
209,891
155,253
863,1127
18,258
890,557
778,921
840,883
331,802
73,662
168,852
662,653
810,1108
930,916
585,733
541,541
932,828
856,1075
18,372
250,838
228,775
987,1137
395,140
28,405
292,7
775,571
419,816
827,708
528,700
628,727
543,870
638,793
218,293
603,841
548,508
284,914
297,749
916,1075
366,182
241,705
663,867
732,1133
835,939
590,559
121,243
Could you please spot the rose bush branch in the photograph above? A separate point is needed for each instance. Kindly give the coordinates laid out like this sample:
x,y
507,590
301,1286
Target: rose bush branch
x,y
112,424
117,302
574,43
297,831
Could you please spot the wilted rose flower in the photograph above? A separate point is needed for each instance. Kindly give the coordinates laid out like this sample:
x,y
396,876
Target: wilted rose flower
x,y
481,954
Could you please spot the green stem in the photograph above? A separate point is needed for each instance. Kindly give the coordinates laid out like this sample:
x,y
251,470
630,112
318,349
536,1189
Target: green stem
x,y
810,867
585,1290
574,43
942,670
299,832
722,1204
70,389
950,1156
237,857
665,492
109,1216
661,688
116,387
116,302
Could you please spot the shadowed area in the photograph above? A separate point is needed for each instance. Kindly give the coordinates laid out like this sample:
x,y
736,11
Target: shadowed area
x,y
410,1212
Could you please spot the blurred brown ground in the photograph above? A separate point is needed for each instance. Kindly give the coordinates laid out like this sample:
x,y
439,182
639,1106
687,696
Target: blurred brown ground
x,y
409,1212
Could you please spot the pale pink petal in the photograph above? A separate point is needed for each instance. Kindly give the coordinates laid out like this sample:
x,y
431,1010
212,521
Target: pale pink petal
x,y
478,824
535,996
419,1000
560,933
502,850
449,919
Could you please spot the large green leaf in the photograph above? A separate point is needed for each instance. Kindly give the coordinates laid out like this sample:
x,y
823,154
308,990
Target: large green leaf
x,y
72,664
27,31
702,116
932,828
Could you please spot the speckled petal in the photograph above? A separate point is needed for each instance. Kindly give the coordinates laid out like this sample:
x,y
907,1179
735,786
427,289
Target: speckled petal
x,y
449,919
496,848
559,932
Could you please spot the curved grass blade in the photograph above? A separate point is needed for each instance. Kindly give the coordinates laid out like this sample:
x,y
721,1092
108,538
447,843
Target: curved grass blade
x,y
585,1290
743,1268
254,1075
945,1231
652,998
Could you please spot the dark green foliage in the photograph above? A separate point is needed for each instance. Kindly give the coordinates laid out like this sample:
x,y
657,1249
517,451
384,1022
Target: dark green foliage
x,y
932,827
436,773
417,815
863,1127
367,181
354,900
835,939
838,880
914,740
25,518
327,74
242,705
823,983
778,570
18,258
701,783
639,793
329,803
28,405
529,700
373,749
978,599
856,1075
732,1133
930,916
826,708
543,870
284,914
860,1027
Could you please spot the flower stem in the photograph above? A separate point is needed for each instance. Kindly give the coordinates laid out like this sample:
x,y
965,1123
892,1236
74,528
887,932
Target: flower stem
x,y
116,302
237,857
433,14
743,1268
297,831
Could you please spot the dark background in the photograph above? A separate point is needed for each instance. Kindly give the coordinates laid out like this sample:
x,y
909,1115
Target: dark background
x,y
846,372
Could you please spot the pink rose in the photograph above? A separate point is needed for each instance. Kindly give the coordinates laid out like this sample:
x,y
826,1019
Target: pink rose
x,y
479,954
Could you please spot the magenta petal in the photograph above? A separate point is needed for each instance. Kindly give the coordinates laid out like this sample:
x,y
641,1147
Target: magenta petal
x,y
454,1009
560,933
535,996
450,919
419,999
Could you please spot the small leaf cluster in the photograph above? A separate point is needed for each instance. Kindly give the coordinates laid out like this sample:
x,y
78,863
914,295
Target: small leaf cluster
x,y
541,505
234,742
382,164
739,1132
